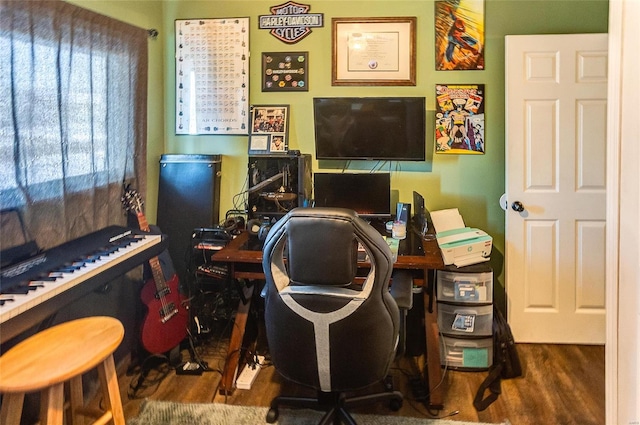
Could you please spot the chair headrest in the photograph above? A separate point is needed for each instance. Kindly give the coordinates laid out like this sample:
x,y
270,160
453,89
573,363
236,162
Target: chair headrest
x,y
322,244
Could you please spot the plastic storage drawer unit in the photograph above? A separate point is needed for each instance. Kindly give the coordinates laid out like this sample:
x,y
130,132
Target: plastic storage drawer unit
x,y
454,319
465,287
466,354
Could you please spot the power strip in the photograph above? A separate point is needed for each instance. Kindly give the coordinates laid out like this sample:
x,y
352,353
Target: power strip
x,y
248,374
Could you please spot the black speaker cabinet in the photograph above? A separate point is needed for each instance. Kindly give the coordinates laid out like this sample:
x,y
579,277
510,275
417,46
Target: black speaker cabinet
x,y
188,197
277,184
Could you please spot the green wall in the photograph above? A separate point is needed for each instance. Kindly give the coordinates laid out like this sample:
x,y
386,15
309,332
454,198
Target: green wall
x,y
469,182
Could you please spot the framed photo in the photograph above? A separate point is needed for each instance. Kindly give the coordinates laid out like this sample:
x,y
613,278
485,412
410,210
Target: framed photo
x,y
460,118
269,129
373,51
285,71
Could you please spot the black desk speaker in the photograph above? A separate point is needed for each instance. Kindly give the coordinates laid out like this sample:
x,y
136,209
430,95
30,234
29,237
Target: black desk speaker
x,y
188,198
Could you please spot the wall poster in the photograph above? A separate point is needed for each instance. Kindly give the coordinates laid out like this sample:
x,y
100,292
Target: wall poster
x,y
212,76
459,34
460,119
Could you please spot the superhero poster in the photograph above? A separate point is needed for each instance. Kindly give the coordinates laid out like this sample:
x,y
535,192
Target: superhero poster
x,y
459,125
459,34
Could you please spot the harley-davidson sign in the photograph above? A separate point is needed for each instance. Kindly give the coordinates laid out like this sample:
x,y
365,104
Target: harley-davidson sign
x,y
290,22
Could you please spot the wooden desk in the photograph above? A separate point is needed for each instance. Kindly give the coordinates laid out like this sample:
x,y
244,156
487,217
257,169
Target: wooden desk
x,y
247,264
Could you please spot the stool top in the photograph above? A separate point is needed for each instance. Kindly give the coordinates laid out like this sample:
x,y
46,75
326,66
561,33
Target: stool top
x,y
59,353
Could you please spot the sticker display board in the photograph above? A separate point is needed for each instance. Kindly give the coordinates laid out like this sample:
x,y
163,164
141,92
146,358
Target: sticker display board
x,y
212,76
285,71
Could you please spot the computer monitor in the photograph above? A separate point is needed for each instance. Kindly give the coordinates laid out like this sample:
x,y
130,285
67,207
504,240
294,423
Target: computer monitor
x,y
368,194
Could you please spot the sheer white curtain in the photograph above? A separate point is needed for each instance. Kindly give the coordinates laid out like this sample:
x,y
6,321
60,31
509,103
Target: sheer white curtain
x,y
72,117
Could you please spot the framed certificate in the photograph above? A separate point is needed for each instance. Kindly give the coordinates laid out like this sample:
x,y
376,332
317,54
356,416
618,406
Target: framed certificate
x,y
374,51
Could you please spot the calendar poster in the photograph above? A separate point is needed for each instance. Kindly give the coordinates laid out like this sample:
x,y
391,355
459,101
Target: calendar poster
x,y
212,76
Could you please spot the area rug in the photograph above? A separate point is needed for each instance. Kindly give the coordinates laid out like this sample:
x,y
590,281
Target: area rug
x,y
170,413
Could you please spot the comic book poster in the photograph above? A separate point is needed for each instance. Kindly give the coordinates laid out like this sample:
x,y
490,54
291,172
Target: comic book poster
x,y
459,34
460,119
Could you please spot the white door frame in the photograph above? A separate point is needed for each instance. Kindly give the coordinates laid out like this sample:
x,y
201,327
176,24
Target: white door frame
x,y
622,365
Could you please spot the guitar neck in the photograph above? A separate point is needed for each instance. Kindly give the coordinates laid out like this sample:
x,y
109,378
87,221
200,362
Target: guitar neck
x,y
154,263
156,271
142,222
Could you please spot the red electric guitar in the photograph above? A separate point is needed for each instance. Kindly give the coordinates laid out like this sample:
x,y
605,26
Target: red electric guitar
x,y
165,323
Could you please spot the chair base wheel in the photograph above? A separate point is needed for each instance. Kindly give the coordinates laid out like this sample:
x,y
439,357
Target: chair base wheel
x,y
395,404
272,415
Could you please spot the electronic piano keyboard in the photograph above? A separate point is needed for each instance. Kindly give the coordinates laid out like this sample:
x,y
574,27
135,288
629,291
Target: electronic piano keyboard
x,y
37,287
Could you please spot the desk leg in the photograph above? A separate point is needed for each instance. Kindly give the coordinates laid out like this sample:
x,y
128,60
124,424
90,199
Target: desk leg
x,y
227,383
434,370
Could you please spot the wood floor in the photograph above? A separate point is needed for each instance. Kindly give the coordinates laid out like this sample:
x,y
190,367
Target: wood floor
x,y
562,384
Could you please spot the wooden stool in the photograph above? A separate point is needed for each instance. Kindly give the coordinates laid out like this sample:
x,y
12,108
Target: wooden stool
x,y
45,361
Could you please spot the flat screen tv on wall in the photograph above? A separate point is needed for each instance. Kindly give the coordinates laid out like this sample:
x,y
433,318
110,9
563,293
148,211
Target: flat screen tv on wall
x,y
370,128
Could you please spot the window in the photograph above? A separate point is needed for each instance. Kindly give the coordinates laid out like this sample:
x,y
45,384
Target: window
x,y
73,115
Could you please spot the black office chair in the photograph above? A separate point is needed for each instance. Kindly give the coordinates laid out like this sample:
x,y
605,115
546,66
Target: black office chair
x,y
325,331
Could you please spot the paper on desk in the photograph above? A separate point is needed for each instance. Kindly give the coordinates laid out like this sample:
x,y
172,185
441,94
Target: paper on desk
x,y
448,219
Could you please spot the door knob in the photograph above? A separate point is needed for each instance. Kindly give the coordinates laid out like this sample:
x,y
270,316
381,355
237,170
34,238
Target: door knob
x,y
517,206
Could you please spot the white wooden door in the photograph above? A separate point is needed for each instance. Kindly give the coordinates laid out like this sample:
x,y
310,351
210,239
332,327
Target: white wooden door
x,y
556,109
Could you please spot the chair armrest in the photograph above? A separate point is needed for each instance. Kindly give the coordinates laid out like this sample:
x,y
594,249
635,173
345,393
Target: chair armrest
x,y
401,289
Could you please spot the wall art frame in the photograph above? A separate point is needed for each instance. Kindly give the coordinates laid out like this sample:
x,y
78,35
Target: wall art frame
x,y
460,35
269,129
285,71
212,76
460,119
379,51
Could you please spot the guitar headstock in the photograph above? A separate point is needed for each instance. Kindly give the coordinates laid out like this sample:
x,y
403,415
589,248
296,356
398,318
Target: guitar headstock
x,y
131,200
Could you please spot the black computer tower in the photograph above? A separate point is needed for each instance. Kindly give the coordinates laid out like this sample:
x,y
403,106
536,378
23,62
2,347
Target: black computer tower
x,y
277,184
188,198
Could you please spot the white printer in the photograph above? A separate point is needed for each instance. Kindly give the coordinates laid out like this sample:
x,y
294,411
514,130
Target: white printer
x,y
460,245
